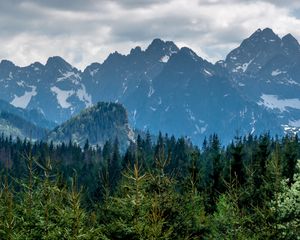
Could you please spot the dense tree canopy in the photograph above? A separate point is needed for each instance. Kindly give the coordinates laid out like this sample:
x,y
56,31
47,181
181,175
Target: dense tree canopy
x,y
169,189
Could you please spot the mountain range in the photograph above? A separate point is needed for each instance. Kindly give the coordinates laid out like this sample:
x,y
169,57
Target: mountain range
x,y
169,89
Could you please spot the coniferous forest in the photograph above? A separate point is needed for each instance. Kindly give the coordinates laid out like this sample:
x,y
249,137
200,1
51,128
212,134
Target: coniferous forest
x,y
162,189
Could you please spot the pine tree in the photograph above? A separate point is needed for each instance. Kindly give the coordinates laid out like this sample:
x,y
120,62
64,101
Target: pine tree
x,y
7,214
287,206
114,168
290,158
194,215
237,166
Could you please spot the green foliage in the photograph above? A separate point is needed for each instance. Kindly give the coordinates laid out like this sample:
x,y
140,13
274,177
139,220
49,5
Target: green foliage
x,y
7,217
228,221
166,190
287,207
43,209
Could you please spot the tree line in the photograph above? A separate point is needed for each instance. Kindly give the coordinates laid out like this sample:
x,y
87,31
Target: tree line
x,y
167,189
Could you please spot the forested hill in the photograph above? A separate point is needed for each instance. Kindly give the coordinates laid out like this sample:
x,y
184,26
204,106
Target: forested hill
x,y
164,190
97,124
15,126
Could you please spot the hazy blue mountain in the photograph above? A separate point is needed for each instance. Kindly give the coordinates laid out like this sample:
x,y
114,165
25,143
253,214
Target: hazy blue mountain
x,y
255,89
15,126
174,90
266,70
22,123
194,98
55,89
120,75
97,124
33,115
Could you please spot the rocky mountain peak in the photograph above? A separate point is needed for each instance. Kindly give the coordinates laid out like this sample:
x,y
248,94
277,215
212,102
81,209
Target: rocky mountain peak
x,y
254,52
159,48
152,83
185,58
7,64
266,35
36,66
156,44
113,58
291,44
57,62
136,51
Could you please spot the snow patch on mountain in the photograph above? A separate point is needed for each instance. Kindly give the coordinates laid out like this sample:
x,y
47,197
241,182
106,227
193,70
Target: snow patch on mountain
x,y
84,96
10,76
159,101
253,122
165,59
291,129
93,72
200,130
207,72
277,72
124,88
62,96
151,91
193,55
294,123
245,66
191,114
23,101
74,77
131,135
243,112
273,102
292,82
134,116
21,83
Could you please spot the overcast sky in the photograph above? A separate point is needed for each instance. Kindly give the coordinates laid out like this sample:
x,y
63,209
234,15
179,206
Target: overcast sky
x,y
86,31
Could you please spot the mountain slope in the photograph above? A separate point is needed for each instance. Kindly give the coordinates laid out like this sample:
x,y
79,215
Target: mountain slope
x,y
194,98
54,89
22,123
15,126
120,75
177,92
98,124
32,116
255,89
265,70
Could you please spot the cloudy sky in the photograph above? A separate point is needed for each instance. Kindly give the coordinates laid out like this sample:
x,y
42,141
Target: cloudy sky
x,y
85,31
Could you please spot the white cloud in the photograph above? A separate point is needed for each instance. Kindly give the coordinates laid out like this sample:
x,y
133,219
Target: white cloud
x,y
85,31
